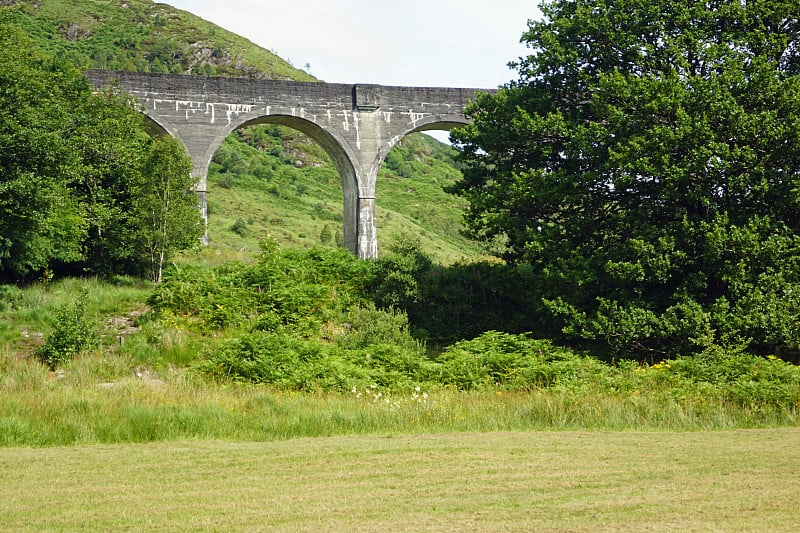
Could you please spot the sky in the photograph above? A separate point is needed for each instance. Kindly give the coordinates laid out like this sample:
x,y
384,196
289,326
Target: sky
x,y
429,43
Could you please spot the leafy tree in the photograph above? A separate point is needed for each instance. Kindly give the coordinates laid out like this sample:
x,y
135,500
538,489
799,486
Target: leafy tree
x,y
167,212
38,219
81,181
111,139
646,163
135,190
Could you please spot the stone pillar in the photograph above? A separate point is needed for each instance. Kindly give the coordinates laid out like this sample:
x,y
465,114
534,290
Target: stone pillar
x,y
201,198
350,218
367,229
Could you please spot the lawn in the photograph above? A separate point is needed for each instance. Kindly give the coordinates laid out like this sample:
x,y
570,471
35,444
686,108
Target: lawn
x,y
742,480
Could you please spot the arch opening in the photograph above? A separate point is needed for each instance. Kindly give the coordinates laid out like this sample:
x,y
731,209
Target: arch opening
x,y
411,198
302,174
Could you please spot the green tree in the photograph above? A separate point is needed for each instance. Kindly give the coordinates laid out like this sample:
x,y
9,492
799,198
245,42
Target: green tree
x,y
167,210
81,181
135,190
112,142
39,221
646,163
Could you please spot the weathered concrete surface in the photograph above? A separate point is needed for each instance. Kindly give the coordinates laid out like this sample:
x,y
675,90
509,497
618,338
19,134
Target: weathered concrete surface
x,y
357,125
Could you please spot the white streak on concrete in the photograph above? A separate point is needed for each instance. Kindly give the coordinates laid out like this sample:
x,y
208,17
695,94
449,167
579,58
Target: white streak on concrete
x,y
234,110
415,117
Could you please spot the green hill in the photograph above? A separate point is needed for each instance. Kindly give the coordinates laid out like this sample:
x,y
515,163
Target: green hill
x,y
264,181
144,36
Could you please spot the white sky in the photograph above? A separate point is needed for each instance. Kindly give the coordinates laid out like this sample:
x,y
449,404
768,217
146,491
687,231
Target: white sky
x,y
435,43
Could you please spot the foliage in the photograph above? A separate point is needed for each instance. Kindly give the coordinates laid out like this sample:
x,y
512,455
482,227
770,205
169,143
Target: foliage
x,y
72,333
39,221
166,208
301,319
516,362
740,378
80,173
291,290
134,190
112,142
645,166
308,320
447,303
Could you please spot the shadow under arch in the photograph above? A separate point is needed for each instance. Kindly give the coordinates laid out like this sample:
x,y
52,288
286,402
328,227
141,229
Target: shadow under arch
x,y
158,128
337,149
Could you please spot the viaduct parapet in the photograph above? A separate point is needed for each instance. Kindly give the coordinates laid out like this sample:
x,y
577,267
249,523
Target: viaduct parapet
x,y
356,125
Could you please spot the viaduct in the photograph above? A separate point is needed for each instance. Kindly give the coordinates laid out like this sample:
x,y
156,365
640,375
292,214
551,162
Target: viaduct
x,y
356,125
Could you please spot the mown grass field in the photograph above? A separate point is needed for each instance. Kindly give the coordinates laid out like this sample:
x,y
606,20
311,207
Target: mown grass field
x,y
745,480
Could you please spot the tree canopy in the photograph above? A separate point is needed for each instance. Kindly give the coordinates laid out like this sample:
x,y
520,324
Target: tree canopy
x,y
646,163
76,169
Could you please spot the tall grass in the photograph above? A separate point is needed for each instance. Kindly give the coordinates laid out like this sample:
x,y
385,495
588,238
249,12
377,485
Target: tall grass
x,y
40,408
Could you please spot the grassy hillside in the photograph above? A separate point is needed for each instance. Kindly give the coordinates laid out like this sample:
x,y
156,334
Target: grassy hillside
x,y
264,181
144,36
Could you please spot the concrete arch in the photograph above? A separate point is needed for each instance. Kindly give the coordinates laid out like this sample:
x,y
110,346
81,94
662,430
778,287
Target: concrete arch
x,y
447,123
429,123
157,126
335,146
356,125
337,149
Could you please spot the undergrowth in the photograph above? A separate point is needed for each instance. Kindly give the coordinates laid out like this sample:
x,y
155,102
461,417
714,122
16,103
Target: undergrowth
x,y
316,342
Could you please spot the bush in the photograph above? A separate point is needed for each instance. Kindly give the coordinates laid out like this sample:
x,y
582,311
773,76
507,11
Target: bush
x,y
369,326
10,297
239,227
288,362
745,379
516,362
72,333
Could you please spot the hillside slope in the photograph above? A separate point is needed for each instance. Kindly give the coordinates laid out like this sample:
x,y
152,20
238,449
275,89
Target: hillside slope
x,y
144,36
264,181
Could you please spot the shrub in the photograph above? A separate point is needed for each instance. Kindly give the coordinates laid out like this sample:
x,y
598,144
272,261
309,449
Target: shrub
x,y
72,333
370,326
10,297
516,362
742,378
284,361
239,227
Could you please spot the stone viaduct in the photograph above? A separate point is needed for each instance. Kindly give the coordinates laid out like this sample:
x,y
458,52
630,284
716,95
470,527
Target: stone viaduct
x,y
355,124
